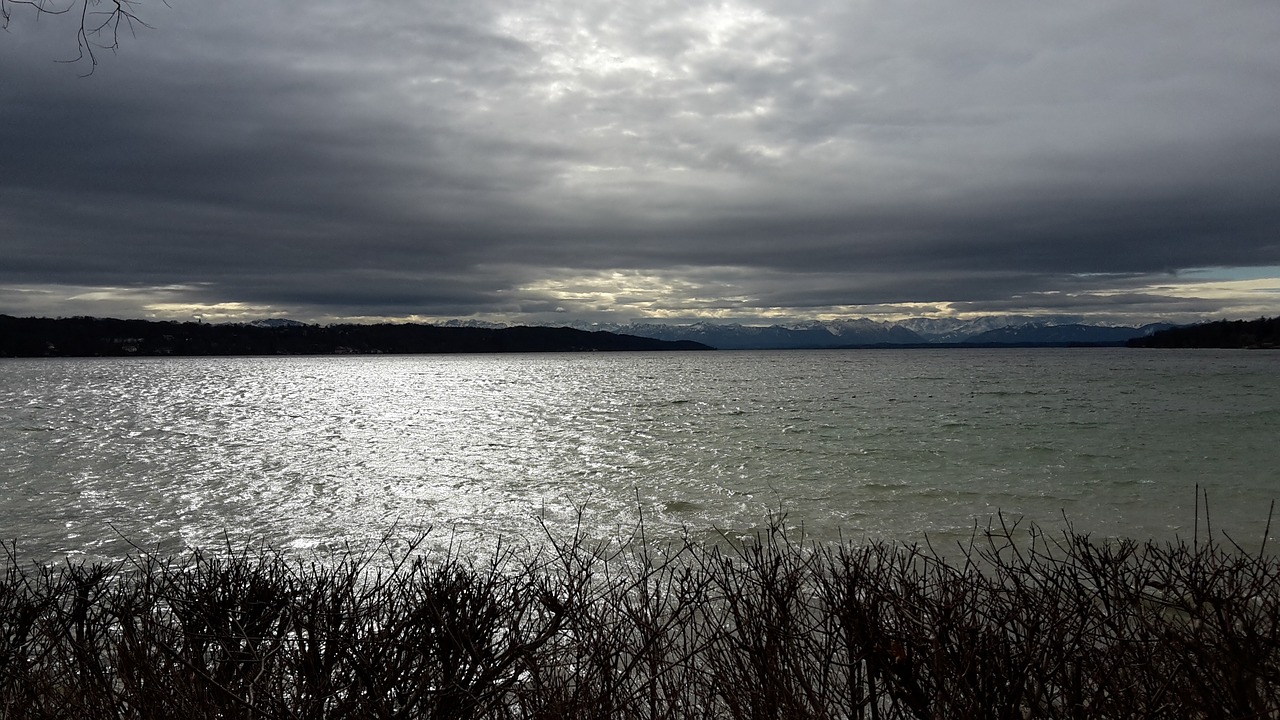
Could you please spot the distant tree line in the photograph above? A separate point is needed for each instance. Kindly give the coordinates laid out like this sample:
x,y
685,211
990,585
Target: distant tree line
x,y
1260,333
105,337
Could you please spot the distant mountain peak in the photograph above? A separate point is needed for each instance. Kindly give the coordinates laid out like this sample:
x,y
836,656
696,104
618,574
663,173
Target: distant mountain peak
x,y
846,332
476,324
276,323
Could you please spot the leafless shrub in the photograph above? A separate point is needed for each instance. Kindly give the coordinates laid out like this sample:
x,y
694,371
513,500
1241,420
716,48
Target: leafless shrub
x,y
1017,625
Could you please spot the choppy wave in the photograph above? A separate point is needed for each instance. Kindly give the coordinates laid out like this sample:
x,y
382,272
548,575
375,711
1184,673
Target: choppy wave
x,y
316,452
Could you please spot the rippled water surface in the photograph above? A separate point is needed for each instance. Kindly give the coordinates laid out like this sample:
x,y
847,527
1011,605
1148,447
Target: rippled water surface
x,y
316,452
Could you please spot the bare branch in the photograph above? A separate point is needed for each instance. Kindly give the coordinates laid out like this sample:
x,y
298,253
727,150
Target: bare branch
x,y
101,23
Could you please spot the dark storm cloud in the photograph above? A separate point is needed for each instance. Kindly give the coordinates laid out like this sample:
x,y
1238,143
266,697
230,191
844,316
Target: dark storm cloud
x,y
500,159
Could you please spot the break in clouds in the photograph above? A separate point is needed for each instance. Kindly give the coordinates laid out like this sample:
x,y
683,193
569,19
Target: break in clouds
x,y
605,161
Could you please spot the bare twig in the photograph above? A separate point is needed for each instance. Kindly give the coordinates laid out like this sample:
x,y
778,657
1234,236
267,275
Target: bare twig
x,y
101,23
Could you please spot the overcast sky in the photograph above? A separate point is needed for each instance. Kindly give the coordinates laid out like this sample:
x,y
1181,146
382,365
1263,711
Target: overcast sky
x,y
542,160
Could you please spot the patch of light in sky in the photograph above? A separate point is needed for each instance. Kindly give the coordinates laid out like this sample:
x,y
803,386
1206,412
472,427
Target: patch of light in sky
x,y
212,312
570,53
636,291
1269,272
726,25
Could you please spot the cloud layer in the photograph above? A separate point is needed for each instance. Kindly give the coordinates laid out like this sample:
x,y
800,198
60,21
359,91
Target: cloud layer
x,y
529,161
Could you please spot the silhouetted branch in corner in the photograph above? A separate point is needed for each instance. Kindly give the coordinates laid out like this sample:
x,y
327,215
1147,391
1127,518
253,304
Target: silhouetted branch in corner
x,y
101,22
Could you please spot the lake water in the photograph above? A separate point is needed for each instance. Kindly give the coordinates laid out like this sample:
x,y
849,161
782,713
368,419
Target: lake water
x,y
314,452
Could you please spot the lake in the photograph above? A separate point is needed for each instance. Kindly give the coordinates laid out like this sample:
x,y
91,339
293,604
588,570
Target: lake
x,y
99,456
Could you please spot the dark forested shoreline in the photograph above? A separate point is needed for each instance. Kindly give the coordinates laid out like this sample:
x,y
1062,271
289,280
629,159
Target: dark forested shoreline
x,y
106,337
109,337
1260,333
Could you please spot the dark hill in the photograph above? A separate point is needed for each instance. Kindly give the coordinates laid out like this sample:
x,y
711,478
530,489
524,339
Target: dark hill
x,y
86,336
1068,334
1260,333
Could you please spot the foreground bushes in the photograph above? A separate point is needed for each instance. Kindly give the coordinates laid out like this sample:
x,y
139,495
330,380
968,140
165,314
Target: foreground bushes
x,y
1017,625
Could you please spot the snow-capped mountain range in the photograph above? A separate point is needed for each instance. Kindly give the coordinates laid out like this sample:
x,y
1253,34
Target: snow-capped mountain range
x,y
988,330
862,331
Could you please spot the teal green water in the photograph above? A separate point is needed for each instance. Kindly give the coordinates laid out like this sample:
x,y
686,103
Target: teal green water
x,y
893,444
